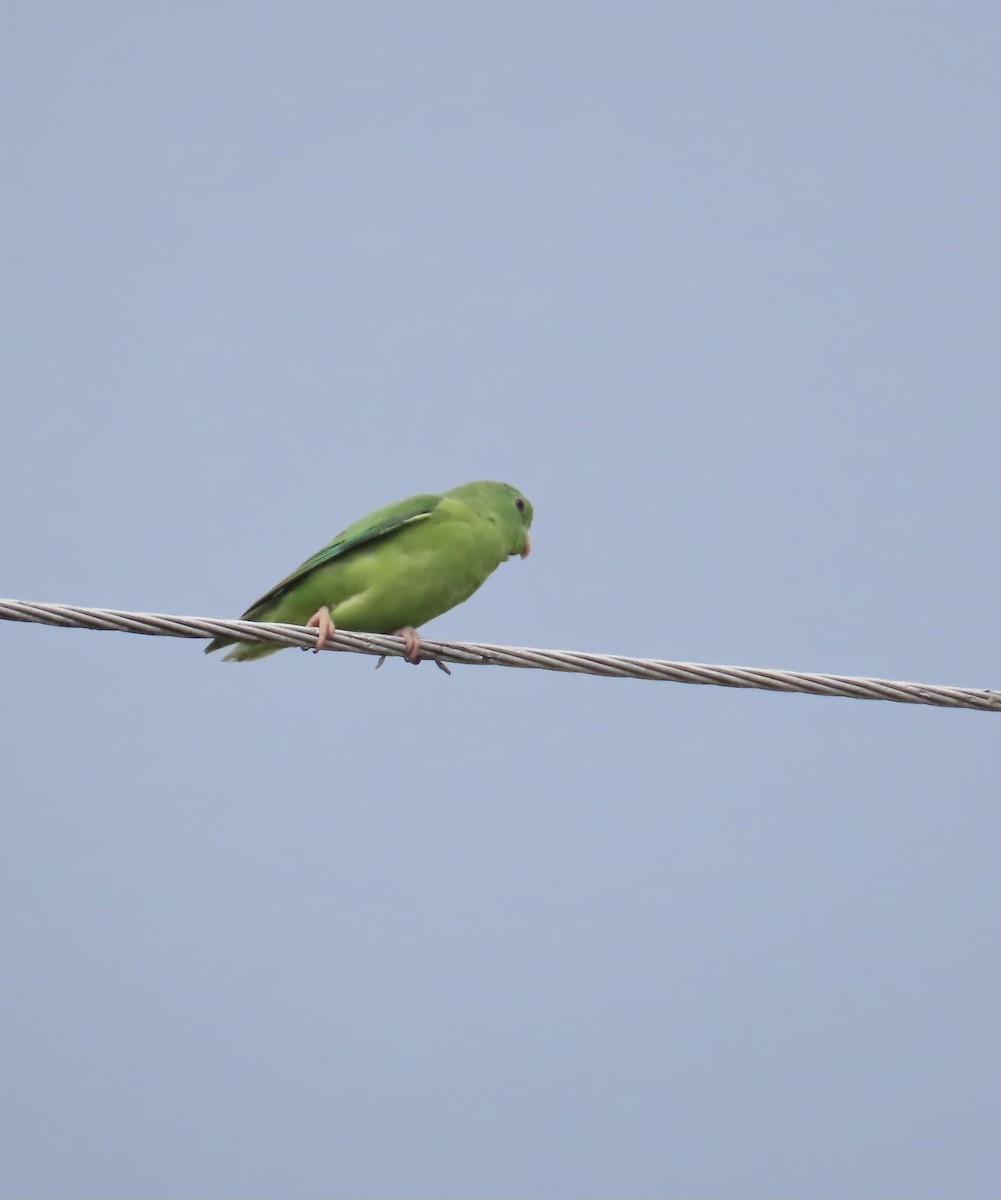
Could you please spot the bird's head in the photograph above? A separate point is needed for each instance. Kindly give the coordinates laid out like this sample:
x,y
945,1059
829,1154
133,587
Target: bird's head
x,y
502,505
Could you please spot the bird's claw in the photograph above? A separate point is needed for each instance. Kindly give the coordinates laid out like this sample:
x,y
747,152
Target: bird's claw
x,y
412,644
325,628
412,647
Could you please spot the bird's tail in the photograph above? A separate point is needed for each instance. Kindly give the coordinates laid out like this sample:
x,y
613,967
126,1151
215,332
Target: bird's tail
x,y
242,651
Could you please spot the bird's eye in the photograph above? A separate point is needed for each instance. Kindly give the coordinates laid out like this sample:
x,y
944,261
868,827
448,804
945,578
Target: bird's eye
x,y
520,504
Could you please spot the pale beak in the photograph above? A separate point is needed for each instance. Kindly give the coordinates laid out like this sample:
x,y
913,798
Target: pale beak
x,y
528,546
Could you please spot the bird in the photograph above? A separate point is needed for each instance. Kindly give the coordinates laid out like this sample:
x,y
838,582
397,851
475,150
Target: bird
x,y
397,568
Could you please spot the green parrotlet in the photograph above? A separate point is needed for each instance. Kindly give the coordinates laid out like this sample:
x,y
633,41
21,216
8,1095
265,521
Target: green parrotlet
x,y
397,568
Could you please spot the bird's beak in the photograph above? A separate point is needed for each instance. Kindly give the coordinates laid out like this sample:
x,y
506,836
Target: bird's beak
x,y
528,546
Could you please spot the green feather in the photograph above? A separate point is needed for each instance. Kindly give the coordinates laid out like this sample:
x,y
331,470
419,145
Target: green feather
x,y
400,566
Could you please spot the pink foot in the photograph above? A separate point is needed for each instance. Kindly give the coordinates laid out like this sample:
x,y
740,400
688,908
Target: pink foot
x,y
323,625
412,642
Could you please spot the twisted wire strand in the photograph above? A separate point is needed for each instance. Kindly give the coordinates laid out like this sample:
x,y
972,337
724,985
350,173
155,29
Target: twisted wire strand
x,y
482,654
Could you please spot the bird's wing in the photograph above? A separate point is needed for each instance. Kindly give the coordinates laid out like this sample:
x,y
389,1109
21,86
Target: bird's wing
x,y
380,524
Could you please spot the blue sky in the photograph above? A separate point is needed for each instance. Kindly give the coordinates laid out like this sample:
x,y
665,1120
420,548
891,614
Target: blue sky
x,y
717,287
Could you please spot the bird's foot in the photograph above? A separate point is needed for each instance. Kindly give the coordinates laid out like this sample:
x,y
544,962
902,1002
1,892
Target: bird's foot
x,y
325,628
412,643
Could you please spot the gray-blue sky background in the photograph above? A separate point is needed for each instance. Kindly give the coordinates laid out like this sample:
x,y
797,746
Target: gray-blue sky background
x,y
718,287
